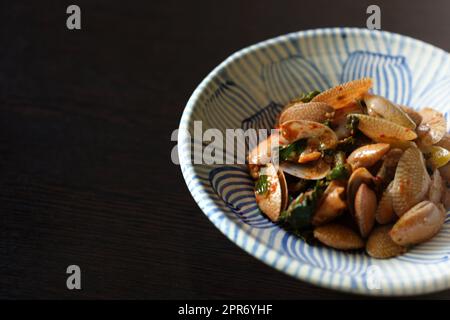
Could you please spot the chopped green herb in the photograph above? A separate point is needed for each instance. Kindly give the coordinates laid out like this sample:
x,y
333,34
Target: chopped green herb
x,y
293,150
339,172
262,184
299,213
284,215
307,97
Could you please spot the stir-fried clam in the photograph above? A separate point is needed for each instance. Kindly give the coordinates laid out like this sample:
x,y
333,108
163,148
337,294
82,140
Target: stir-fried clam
x,y
382,130
345,94
366,156
385,210
380,244
355,169
419,224
312,111
271,191
411,181
378,106
433,126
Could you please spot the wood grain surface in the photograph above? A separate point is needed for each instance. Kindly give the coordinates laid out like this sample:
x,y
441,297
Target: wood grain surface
x,y
85,123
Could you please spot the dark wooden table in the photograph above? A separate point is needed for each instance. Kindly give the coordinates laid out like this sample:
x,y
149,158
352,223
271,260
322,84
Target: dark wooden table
x,y
85,124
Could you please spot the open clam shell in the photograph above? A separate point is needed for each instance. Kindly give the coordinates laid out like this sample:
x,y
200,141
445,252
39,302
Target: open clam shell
x,y
262,153
382,107
295,130
312,111
345,94
411,181
331,204
271,202
284,190
339,121
315,170
381,130
413,114
433,127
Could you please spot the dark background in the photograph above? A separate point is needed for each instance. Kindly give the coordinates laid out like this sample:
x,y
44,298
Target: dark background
x,y
85,124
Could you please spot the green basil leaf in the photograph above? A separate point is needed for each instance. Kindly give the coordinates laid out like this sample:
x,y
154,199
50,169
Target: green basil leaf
x,y
339,172
292,150
262,185
307,97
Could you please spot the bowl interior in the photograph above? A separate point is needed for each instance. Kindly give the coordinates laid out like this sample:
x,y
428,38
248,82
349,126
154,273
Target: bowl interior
x,y
247,91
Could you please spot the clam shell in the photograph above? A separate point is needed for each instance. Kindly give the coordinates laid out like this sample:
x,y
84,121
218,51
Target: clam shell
x,y
358,177
312,111
271,203
284,190
365,207
345,94
383,108
445,172
436,188
310,171
411,181
339,237
445,142
387,170
331,204
368,155
381,130
446,198
433,127
262,153
339,121
400,144
419,224
295,130
413,114
380,244
385,210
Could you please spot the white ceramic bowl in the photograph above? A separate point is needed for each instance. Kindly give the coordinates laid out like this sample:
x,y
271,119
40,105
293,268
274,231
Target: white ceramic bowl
x,y
248,89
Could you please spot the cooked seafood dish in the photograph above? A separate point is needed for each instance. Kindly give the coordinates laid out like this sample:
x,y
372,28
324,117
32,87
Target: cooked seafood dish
x,y
352,170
